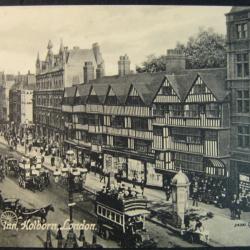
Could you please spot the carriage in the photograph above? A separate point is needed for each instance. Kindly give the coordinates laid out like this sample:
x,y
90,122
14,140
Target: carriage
x,y
14,210
32,177
123,219
11,166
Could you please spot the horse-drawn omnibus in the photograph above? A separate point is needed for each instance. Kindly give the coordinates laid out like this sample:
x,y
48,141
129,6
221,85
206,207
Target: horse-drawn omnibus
x,y
32,177
123,219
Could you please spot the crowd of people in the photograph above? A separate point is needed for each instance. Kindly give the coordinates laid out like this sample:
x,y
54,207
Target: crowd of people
x,y
120,192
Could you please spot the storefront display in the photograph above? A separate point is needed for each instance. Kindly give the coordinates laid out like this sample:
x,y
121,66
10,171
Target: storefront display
x,y
136,169
153,178
244,183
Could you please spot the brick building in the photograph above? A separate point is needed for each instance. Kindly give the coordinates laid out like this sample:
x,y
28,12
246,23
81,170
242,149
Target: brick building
x,y
58,71
149,125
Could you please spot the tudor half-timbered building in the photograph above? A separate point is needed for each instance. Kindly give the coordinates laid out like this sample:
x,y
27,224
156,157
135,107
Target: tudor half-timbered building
x,y
149,125
191,124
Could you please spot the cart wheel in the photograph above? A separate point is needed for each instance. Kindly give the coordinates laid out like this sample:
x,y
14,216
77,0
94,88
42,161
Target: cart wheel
x,y
8,217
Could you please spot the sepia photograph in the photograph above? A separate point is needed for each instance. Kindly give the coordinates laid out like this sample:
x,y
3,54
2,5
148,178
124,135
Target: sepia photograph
x,y
124,126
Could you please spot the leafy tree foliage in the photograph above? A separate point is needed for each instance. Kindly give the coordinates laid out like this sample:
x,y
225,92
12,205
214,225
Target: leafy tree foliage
x,y
205,50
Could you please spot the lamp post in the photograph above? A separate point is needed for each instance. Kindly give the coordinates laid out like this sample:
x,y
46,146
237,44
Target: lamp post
x,y
72,175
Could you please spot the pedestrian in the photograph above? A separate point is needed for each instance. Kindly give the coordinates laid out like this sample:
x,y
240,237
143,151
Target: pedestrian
x,y
71,241
232,206
48,243
1,200
237,209
195,194
82,239
168,192
102,176
52,160
59,237
134,180
142,186
94,238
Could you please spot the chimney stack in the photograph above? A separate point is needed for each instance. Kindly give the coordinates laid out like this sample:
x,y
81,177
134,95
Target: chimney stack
x,y
100,71
124,65
88,72
175,61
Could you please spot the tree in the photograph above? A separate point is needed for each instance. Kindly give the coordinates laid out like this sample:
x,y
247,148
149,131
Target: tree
x,y
205,50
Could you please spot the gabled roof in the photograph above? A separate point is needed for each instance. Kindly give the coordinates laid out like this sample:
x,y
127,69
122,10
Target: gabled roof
x,y
121,91
101,91
69,92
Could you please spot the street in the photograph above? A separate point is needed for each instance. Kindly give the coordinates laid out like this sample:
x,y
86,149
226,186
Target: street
x,y
57,196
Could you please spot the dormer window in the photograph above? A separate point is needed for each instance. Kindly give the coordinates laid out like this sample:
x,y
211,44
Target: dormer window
x,y
241,30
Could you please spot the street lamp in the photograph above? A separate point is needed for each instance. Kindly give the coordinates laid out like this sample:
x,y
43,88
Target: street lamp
x,y
75,178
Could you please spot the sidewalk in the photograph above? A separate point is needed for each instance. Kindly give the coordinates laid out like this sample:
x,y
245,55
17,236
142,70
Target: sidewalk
x,y
228,232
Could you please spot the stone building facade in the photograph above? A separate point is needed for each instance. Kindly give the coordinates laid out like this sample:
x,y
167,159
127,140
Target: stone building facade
x,y
238,81
55,73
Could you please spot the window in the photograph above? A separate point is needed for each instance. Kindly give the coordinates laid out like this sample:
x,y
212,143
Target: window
x,y
184,135
158,131
117,122
142,146
177,110
191,110
121,142
99,210
243,101
82,119
212,110
117,218
188,161
244,136
93,99
96,139
211,135
139,123
95,120
112,216
242,65
111,100
241,30
199,89
167,90
104,211
135,101
108,214
160,109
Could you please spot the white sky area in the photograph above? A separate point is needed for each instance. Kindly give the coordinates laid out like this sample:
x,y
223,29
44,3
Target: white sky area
x,y
137,31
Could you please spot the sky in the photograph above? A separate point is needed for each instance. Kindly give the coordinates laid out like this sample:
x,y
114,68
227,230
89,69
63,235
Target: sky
x,y
137,31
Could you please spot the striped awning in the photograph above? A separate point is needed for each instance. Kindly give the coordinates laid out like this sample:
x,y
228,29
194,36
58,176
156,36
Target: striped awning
x,y
216,163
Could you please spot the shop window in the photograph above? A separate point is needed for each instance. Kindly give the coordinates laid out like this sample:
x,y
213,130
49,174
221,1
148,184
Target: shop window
x,y
241,30
242,65
212,110
244,136
243,99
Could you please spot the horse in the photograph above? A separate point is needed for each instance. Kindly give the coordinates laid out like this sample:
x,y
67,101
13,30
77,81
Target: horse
x,y
41,212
